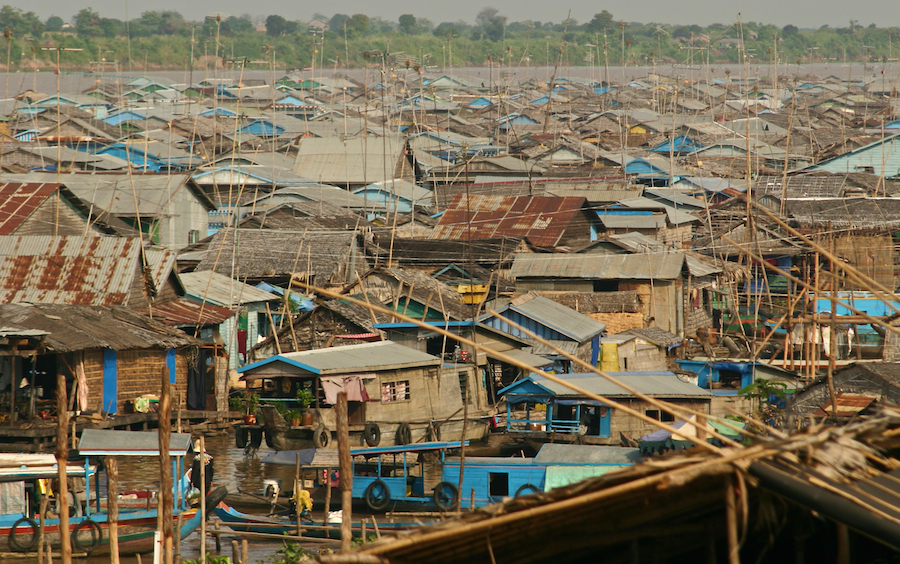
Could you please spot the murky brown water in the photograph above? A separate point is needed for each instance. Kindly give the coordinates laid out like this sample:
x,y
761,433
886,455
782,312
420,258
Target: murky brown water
x,y
232,470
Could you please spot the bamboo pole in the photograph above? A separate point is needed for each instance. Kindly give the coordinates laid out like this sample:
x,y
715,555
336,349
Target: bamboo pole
x,y
272,324
245,550
203,515
164,511
343,438
62,456
462,444
112,507
236,552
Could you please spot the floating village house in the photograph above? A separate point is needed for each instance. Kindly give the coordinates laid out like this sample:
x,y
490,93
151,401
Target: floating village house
x,y
540,408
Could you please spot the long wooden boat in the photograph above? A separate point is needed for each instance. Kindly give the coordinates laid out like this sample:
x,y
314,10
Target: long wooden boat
x,y
243,522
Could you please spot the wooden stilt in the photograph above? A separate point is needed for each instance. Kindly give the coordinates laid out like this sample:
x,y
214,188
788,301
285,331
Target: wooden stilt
x,y
62,456
112,507
343,437
731,522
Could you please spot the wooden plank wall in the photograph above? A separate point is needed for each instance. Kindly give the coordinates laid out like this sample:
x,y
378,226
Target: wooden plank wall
x,y
138,374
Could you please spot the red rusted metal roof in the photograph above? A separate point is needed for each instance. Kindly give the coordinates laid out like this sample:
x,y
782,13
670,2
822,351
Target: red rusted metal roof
x,y
541,219
184,312
18,200
68,270
848,404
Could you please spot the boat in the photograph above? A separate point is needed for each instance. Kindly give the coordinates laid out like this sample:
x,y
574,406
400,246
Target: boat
x,y
424,477
25,477
396,396
287,525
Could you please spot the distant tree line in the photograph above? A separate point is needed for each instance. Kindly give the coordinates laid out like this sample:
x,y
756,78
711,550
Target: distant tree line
x,y
163,39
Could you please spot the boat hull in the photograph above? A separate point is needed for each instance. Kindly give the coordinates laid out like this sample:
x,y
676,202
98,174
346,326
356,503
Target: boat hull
x,y
135,532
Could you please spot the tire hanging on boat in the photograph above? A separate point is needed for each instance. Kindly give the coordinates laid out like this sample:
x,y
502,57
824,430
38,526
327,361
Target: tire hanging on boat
x,y
404,434
372,434
16,542
256,438
214,498
377,496
96,536
527,489
321,437
241,437
445,495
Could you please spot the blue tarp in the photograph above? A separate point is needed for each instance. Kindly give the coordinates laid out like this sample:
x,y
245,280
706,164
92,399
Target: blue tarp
x,y
301,303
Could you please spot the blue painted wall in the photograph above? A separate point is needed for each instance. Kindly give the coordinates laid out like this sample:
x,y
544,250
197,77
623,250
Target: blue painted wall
x,y
110,381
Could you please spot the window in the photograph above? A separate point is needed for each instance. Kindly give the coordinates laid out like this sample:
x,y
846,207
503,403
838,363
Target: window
x,y
667,417
498,483
652,413
862,168
395,391
193,236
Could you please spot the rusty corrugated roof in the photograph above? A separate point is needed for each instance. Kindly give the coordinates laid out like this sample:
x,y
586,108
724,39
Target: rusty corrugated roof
x,y
540,219
18,200
183,312
67,270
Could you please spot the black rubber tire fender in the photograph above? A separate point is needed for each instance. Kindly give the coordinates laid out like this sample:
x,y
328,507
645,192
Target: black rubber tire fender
x,y
256,438
527,489
15,541
404,434
321,437
213,498
241,436
443,501
96,536
372,434
433,433
375,504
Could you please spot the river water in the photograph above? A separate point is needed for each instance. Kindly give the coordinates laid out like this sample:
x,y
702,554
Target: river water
x,y
72,81
231,469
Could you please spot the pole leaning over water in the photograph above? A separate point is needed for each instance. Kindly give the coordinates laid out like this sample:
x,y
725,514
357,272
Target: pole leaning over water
x,y
343,440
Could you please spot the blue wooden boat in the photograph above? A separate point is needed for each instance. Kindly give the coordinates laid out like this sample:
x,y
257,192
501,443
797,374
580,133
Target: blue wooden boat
x,y
23,482
393,477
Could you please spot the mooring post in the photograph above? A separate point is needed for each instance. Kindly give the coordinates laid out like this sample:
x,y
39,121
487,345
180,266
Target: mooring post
x,y
343,438
62,457
112,507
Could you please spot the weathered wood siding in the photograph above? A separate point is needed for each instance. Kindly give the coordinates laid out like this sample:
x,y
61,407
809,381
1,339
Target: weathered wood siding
x,y
139,373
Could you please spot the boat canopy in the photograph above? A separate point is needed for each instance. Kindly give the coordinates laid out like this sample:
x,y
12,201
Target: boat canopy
x,y
102,442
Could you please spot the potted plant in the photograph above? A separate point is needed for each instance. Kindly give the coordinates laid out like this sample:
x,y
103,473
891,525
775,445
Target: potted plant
x,y
252,403
293,417
236,403
305,398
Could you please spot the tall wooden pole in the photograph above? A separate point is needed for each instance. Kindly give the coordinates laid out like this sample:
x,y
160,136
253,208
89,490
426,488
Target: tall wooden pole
x,y
62,457
112,507
343,439
165,507
203,492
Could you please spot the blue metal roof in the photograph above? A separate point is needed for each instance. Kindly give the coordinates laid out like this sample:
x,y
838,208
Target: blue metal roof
x,y
417,447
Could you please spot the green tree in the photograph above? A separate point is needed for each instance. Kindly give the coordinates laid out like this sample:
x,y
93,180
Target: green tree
x,y
357,25
19,22
336,23
446,29
87,23
276,25
408,24
54,23
494,29
601,22
486,16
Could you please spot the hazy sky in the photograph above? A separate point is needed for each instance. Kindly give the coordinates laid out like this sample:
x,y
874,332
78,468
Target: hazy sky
x,y
803,13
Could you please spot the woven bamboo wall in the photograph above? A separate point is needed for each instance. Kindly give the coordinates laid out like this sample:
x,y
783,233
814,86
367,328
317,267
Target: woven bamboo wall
x,y
139,373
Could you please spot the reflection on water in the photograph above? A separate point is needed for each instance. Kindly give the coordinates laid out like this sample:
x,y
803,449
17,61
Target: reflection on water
x,y
231,469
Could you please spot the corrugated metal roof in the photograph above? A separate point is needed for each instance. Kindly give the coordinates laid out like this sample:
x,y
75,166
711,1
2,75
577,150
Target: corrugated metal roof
x,y
19,200
79,327
541,219
67,270
130,443
367,357
348,161
565,320
187,313
221,290
648,266
658,384
159,264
